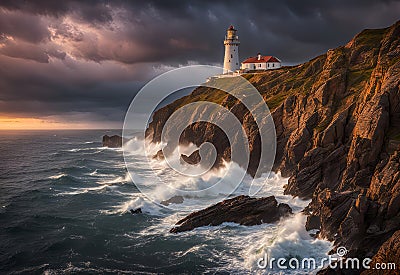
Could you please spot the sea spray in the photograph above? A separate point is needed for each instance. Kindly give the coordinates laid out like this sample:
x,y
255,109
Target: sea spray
x,y
291,240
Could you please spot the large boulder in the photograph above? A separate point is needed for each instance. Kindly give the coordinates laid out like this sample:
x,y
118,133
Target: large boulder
x,y
243,210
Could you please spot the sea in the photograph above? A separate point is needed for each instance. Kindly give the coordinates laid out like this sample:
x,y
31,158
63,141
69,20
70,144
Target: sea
x,y
65,205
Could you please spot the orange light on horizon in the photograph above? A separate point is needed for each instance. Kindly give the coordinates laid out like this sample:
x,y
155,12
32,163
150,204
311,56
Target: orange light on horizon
x,y
23,123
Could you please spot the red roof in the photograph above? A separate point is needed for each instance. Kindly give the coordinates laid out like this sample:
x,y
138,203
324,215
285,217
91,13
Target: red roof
x,y
263,59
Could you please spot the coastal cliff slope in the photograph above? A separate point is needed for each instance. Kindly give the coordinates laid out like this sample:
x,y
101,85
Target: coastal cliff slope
x,y
337,120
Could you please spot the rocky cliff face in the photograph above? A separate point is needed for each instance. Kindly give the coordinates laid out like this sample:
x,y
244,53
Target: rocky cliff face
x,y
337,121
388,253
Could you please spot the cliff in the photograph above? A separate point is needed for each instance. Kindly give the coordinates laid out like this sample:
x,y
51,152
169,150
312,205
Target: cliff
x,y
337,121
388,253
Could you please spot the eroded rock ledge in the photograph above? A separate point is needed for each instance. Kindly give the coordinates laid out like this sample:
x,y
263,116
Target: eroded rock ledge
x,y
243,210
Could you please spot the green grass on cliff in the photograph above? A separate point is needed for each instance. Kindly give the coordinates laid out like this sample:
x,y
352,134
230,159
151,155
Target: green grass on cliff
x,y
371,37
275,101
276,85
353,63
357,79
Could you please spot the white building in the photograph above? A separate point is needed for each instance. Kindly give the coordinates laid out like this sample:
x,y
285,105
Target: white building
x,y
231,59
261,62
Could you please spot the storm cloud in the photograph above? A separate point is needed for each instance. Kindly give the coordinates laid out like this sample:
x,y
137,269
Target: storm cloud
x,y
85,60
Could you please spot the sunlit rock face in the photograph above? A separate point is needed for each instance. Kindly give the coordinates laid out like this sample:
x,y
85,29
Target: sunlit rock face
x,y
337,120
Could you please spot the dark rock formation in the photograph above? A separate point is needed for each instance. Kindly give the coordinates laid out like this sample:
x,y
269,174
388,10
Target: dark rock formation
x,y
136,211
337,120
159,155
112,141
174,199
388,253
194,158
243,210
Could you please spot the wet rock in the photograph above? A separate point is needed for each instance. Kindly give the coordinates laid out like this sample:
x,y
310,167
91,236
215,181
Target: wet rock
x,y
136,211
174,199
243,210
112,141
193,158
313,222
159,155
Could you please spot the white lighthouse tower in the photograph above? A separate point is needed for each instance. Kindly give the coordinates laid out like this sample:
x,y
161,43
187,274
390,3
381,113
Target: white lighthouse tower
x,y
231,59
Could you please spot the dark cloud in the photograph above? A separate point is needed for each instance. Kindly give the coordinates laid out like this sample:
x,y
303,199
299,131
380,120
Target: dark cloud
x,y
90,57
24,26
177,31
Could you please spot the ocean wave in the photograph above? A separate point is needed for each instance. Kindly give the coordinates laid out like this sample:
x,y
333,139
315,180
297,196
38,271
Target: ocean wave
x,y
94,173
91,150
159,182
137,201
64,176
80,191
212,187
59,176
290,240
97,149
247,244
85,268
138,147
285,239
117,180
97,174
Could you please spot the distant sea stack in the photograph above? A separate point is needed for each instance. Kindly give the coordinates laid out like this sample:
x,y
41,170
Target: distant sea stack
x,y
112,141
337,120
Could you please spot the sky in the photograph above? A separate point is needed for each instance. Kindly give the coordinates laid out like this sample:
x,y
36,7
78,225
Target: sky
x,y
78,64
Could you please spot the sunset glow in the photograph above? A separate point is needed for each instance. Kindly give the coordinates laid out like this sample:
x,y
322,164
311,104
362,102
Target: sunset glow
x,y
78,65
21,123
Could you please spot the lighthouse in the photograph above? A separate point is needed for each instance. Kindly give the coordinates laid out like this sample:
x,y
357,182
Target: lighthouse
x,y
231,59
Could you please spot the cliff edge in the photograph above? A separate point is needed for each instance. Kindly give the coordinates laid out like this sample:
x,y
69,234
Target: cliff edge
x,y
337,121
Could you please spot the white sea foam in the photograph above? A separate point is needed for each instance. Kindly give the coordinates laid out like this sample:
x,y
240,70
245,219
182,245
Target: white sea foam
x,y
110,149
215,185
94,173
136,201
120,180
290,240
74,150
287,238
79,191
136,146
58,176
91,150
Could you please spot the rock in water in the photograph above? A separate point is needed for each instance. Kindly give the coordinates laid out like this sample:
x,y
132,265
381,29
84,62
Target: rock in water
x,y
136,211
112,141
193,159
243,210
174,199
159,155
